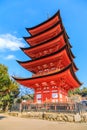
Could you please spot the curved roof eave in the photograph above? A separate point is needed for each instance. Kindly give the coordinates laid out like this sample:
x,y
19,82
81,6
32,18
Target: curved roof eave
x,y
57,13
63,48
43,43
45,76
44,56
42,32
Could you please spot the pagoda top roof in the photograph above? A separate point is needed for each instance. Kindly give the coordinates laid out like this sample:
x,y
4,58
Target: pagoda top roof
x,y
44,25
66,73
44,35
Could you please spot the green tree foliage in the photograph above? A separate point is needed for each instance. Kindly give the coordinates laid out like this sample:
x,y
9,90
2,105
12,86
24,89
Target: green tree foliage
x,y
8,89
25,97
82,92
28,97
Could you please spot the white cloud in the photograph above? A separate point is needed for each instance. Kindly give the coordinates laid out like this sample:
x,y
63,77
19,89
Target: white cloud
x,y
8,41
9,57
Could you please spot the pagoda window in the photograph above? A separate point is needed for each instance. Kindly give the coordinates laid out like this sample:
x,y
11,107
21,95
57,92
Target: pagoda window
x,y
38,96
54,95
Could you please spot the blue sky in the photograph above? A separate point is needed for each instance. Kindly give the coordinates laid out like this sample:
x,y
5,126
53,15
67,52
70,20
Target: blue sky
x,y
18,14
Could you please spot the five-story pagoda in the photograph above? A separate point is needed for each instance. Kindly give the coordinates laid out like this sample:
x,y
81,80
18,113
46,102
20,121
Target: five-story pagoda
x,y
51,62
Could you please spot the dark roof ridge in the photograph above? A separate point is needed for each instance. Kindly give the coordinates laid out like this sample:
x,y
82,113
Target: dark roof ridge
x,y
29,37
64,69
45,56
57,13
62,32
45,41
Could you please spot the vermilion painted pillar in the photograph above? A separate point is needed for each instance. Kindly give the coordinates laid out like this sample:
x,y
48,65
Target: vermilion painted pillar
x,y
34,95
58,94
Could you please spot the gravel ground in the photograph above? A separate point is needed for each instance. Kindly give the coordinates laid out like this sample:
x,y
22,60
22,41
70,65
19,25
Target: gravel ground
x,y
17,123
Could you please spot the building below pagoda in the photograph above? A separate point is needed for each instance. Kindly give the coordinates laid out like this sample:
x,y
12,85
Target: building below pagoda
x,y
52,62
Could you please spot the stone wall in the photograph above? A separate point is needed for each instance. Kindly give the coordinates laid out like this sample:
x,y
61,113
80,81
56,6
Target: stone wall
x,y
52,116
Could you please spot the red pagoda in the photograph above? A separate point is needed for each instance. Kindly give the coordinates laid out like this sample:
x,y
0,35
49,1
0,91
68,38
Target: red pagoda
x,y
51,62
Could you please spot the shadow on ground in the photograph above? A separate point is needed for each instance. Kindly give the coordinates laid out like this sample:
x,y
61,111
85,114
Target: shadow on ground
x,y
1,117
